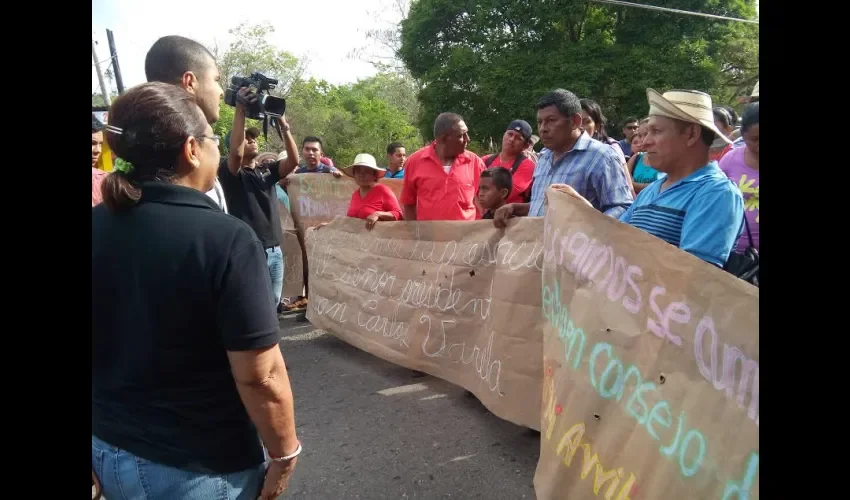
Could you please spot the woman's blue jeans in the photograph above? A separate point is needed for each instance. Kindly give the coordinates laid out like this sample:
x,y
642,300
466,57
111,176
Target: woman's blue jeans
x,y
125,476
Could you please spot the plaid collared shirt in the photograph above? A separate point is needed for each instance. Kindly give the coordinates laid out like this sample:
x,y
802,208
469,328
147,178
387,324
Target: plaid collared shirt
x,y
593,169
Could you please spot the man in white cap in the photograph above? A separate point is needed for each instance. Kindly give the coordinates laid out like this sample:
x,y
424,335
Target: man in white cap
x,y
693,205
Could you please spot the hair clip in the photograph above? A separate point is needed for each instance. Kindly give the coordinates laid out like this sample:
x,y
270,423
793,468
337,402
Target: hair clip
x,y
122,166
113,129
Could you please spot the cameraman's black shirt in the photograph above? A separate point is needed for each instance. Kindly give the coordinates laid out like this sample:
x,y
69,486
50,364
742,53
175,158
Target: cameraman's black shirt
x,y
176,283
251,197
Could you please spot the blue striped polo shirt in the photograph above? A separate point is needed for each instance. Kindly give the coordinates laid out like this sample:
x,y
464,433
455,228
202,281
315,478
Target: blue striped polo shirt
x,y
701,214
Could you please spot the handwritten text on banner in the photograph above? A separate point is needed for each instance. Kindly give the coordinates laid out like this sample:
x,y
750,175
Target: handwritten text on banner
x,y
651,374
315,198
457,300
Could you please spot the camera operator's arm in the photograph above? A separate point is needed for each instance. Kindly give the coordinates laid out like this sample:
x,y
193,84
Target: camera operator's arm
x,y
286,167
237,133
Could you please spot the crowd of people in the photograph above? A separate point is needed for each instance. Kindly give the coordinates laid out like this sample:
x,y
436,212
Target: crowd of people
x,y
190,392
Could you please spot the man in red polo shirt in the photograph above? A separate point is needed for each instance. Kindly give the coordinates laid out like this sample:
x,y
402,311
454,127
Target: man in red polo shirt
x,y
441,179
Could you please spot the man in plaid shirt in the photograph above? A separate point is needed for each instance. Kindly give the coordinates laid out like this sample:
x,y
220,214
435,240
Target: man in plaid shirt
x,y
571,157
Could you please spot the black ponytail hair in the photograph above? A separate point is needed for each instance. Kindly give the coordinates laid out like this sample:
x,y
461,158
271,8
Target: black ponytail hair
x,y
154,120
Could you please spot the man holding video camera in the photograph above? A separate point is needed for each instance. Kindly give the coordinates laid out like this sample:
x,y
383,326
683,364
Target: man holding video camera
x,y
250,187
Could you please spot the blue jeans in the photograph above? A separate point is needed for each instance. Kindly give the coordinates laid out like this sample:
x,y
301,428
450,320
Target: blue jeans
x,y
274,257
124,476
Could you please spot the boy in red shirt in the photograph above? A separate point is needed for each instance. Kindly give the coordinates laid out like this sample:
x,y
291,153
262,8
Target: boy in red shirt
x,y
494,187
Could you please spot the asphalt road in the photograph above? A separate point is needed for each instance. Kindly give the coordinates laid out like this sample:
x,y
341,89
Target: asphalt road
x,y
371,430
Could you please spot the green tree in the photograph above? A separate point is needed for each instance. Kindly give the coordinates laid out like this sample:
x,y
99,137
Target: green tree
x,y
383,37
360,117
251,51
356,118
490,61
97,98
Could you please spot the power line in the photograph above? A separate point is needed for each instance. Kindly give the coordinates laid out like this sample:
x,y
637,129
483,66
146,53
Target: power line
x,y
676,11
107,59
103,88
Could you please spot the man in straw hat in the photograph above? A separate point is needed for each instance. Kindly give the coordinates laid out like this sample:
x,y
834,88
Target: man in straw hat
x,y
753,97
693,205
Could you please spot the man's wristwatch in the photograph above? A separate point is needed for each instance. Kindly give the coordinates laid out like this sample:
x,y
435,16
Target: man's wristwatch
x,y
287,458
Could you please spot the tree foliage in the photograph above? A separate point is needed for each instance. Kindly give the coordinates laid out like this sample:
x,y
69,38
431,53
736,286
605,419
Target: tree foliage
x,y
251,51
491,60
361,117
356,118
97,98
383,37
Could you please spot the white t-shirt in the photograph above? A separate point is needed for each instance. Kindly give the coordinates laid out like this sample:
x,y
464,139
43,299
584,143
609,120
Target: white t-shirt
x,y
447,168
217,194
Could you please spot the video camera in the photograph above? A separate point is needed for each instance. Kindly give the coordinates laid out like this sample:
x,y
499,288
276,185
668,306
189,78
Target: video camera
x,y
264,105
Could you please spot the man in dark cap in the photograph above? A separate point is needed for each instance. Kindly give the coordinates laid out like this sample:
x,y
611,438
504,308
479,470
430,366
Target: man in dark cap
x,y
515,141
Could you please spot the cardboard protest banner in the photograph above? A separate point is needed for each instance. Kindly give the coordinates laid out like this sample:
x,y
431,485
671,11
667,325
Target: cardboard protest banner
x,y
457,300
293,276
317,198
314,198
651,367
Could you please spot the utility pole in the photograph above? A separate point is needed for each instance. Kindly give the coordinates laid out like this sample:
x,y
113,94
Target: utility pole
x,y
114,53
103,88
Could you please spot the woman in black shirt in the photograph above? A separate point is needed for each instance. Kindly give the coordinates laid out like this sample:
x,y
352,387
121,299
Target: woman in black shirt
x,y
186,368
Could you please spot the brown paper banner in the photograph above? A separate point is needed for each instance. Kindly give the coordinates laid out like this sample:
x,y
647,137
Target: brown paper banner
x,y
651,363
293,280
314,198
457,300
318,198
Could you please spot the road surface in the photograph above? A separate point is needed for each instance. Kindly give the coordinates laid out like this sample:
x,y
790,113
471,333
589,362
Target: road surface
x,y
371,430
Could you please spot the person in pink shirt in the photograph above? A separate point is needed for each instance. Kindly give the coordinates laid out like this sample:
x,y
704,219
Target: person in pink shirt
x,y
97,175
741,165
441,179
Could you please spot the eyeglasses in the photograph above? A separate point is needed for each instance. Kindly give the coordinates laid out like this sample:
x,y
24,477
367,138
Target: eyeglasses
x,y
632,127
215,138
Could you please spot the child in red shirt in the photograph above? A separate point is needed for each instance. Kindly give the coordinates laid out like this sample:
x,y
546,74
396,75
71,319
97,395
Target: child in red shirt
x,y
494,188
371,201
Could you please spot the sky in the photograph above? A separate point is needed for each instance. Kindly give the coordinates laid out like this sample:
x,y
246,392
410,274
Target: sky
x,y
136,25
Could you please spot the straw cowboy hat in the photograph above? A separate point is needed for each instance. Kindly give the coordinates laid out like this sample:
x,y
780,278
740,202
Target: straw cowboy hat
x,y
752,97
689,106
363,160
